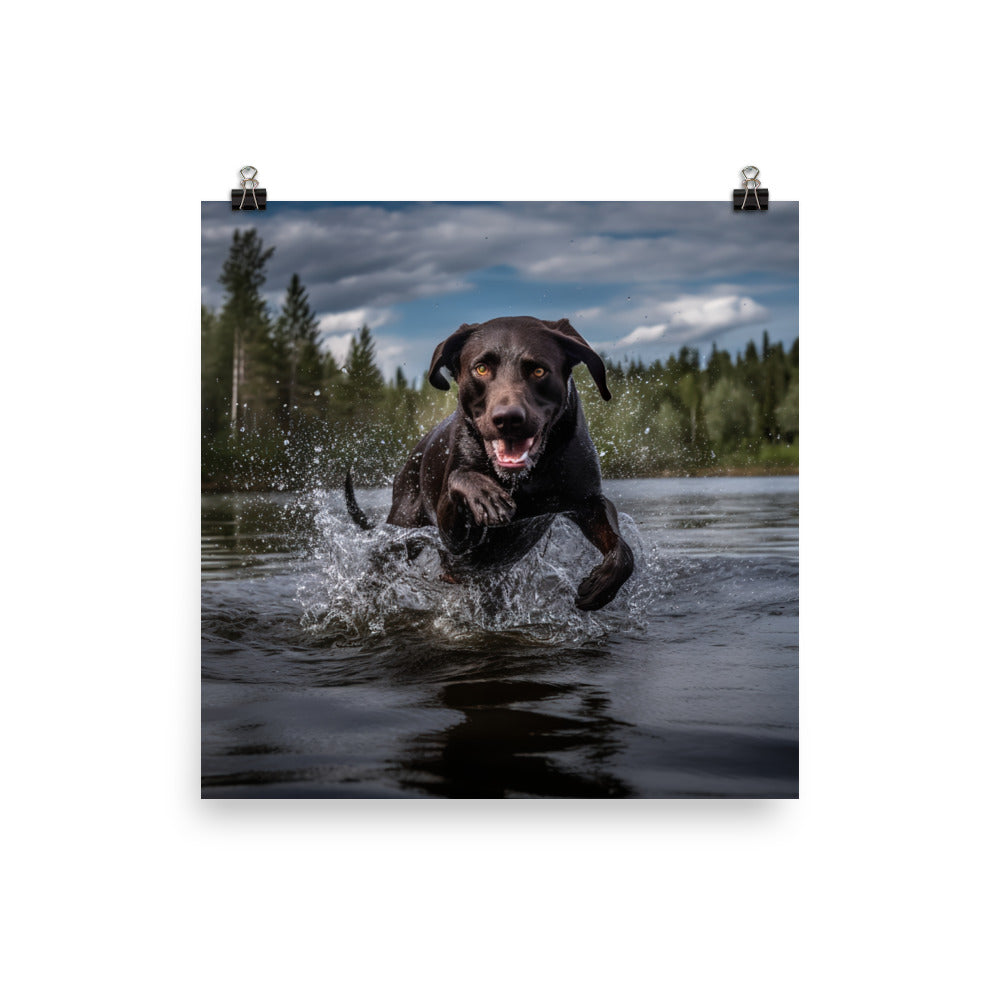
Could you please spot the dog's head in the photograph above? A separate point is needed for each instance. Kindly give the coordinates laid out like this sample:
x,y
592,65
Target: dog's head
x,y
513,381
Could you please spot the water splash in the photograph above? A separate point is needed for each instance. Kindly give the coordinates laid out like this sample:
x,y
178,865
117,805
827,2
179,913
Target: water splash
x,y
362,585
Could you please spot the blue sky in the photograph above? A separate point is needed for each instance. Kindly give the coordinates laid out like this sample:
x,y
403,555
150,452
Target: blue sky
x,y
636,279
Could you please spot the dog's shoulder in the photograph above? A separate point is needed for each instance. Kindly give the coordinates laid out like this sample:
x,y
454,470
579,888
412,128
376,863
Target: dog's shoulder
x,y
408,508
419,483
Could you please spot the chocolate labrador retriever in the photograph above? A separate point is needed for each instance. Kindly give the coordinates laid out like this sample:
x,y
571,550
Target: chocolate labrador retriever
x,y
515,453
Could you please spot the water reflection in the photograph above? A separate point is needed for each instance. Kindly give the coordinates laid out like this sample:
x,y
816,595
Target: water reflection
x,y
495,737
507,744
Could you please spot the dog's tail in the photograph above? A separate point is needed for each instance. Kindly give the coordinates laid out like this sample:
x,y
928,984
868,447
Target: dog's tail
x,y
358,516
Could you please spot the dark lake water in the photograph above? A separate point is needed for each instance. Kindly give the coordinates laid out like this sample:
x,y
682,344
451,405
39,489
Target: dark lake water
x,y
332,668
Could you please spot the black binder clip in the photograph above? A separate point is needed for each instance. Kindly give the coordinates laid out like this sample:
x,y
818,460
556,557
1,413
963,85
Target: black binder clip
x,y
249,197
742,202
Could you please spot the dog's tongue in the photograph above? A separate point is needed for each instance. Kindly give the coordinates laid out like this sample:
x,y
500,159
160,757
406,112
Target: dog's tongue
x,y
512,454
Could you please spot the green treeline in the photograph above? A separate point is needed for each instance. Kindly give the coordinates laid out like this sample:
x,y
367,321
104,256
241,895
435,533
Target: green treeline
x,y
280,413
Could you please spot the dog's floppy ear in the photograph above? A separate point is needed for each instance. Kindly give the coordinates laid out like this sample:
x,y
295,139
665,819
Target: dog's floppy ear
x,y
578,350
446,355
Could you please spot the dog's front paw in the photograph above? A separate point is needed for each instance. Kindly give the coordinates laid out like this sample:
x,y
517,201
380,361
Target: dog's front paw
x,y
605,580
487,501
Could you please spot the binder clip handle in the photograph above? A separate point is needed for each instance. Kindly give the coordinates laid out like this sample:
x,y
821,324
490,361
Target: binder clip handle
x,y
248,185
751,185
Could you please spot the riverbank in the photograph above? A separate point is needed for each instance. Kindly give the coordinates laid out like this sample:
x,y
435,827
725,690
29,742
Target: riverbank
x,y
266,468
743,471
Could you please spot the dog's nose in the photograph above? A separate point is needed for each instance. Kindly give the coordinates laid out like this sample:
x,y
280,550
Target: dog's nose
x,y
508,418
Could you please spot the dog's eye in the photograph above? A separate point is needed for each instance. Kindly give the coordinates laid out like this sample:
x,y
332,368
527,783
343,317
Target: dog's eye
x,y
539,372
482,370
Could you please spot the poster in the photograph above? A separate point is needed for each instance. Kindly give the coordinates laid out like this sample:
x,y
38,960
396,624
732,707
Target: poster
x,y
345,656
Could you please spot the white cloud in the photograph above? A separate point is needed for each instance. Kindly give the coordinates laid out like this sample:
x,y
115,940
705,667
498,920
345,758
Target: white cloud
x,y
645,334
352,320
691,317
338,346
389,357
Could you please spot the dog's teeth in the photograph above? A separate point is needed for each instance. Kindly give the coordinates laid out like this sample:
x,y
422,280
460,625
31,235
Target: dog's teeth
x,y
502,456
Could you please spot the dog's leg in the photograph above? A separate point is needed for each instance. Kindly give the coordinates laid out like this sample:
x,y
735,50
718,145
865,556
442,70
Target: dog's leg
x,y
408,548
597,518
471,499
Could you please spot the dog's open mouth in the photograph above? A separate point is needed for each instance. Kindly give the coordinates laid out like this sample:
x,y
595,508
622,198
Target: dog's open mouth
x,y
512,454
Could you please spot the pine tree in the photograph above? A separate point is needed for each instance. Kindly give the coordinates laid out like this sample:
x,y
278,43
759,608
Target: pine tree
x,y
720,365
296,336
361,408
774,382
787,413
245,323
364,380
687,359
216,366
362,371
